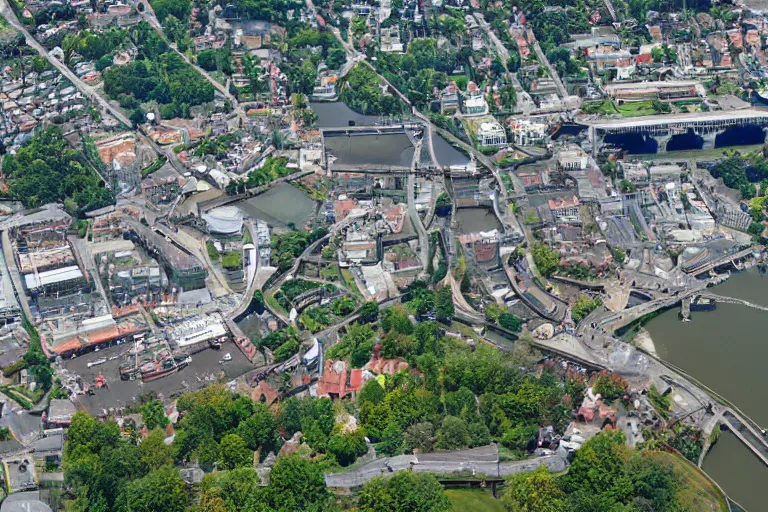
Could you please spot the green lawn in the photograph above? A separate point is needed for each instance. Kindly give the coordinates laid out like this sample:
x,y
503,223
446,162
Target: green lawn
x,y
476,500
637,108
604,107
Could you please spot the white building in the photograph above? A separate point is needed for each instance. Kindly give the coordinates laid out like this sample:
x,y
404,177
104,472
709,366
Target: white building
x,y
491,133
474,101
565,210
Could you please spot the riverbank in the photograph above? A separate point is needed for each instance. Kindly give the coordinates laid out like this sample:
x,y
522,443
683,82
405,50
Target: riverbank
x,y
644,341
725,350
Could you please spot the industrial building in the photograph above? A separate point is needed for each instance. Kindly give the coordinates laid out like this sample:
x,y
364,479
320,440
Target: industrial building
x,y
183,270
61,281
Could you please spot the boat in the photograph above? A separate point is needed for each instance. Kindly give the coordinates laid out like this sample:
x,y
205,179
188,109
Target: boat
x,y
703,304
165,368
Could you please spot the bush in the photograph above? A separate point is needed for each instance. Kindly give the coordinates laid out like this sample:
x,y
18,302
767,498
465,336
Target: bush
x,y
609,385
232,261
519,437
343,306
510,322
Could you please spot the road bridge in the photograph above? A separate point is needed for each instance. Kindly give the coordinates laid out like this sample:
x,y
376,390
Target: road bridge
x,y
369,129
206,206
707,125
723,260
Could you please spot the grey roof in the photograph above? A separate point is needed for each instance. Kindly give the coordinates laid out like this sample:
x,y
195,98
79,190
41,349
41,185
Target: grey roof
x,y
24,502
10,446
48,444
61,410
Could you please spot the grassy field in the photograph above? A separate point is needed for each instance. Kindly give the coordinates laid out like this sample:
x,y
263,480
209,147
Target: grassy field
x,y
637,109
604,107
463,500
696,491
696,153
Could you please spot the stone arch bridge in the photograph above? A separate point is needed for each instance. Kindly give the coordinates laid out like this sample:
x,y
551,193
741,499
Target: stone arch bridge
x,y
707,125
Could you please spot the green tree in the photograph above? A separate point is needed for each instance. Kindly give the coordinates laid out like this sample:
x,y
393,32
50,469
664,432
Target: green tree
x,y
369,312
583,306
510,322
347,447
535,491
518,437
260,430
419,436
444,308
371,392
545,258
162,490
404,492
153,451
233,453
297,484
453,434
153,414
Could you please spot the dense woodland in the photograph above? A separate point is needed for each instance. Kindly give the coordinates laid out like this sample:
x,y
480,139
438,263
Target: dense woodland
x,y
48,170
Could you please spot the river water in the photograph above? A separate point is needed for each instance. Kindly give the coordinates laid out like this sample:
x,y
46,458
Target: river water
x,y
392,149
336,114
473,220
280,206
727,350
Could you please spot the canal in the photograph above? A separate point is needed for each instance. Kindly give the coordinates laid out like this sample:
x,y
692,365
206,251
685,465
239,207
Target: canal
x,y
474,220
726,350
280,206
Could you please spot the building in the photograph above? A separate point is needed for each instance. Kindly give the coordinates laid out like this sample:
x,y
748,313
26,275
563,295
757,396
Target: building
x,y
565,210
225,220
60,413
449,99
572,159
474,101
61,281
526,132
390,40
490,133
336,382
183,269
194,334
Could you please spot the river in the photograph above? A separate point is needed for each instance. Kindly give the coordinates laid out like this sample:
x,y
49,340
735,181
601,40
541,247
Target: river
x,y
726,350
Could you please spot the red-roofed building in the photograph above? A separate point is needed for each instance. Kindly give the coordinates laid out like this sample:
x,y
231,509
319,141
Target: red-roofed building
x,y
333,381
265,393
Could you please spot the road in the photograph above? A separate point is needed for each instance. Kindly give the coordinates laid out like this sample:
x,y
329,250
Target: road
x,y
10,17
414,214
552,71
483,460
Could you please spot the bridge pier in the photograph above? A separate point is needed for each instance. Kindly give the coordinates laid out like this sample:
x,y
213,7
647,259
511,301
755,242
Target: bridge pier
x,y
685,309
662,141
709,139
